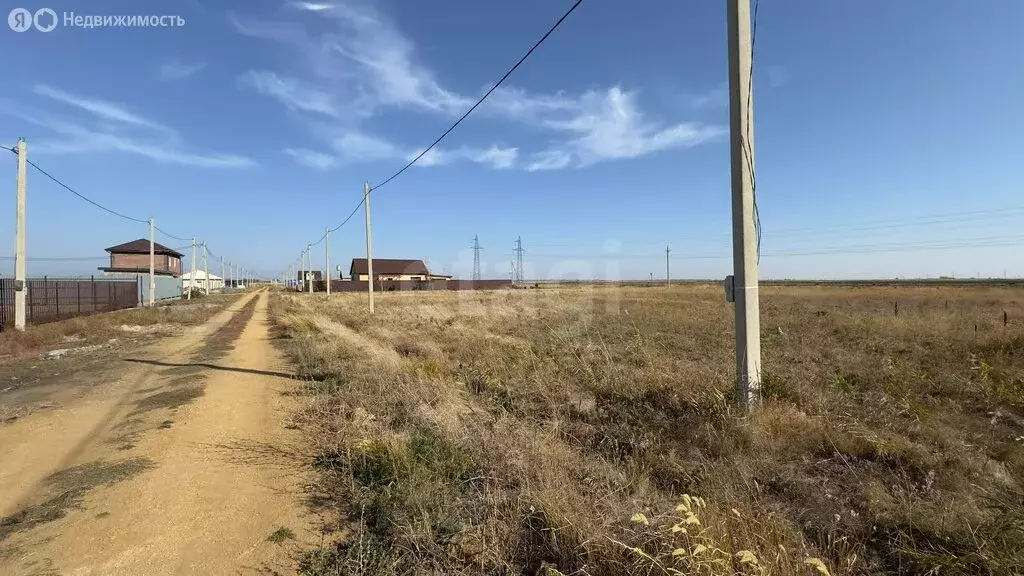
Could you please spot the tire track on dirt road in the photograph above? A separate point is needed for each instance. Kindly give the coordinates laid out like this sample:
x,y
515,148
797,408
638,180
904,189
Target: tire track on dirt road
x,y
200,493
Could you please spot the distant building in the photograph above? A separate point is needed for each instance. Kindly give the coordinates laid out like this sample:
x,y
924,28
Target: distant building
x,y
317,275
392,269
199,280
132,259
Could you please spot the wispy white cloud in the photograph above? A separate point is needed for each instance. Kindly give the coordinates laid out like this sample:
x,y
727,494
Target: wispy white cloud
x,y
356,146
176,70
610,126
549,160
519,104
312,158
715,97
111,127
101,108
310,6
363,65
497,157
293,93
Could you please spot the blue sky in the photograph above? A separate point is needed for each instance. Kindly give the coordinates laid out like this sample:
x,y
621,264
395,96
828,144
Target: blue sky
x,y
886,134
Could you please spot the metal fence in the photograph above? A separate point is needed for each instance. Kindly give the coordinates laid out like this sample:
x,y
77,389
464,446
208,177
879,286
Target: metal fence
x,y
49,300
406,285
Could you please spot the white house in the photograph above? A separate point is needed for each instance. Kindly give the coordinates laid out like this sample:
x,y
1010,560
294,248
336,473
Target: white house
x,y
200,281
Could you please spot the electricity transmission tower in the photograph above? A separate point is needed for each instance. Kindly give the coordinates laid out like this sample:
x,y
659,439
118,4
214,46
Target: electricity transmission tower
x,y
476,258
519,260
668,275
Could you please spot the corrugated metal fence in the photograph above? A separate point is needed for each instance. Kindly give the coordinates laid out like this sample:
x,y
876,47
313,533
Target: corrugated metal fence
x,y
49,300
406,285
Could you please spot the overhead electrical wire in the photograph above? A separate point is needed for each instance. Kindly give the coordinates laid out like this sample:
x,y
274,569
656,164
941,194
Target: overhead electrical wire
x,y
60,183
438,140
946,219
984,242
482,98
169,235
59,258
98,205
76,193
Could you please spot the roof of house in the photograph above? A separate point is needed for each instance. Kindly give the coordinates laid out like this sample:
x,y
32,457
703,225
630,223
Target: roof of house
x,y
136,270
388,266
200,275
141,246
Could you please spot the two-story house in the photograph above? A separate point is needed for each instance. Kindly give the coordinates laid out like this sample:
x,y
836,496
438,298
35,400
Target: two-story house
x,y
132,258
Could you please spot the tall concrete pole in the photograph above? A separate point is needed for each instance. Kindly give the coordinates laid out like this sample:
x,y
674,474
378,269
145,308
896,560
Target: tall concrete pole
x,y
152,263
223,278
192,272
20,285
744,231
302,271
309,256
369,244
327,252
206,271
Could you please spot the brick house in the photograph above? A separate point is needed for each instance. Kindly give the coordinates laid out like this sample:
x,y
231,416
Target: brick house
x,y
392,269
132,258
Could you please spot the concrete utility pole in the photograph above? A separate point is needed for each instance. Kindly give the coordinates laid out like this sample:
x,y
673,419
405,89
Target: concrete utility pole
x,y
20,285
668,275
309,255
744,287
152,264
223,277
369,244
327,253
192,272
206,271
302,271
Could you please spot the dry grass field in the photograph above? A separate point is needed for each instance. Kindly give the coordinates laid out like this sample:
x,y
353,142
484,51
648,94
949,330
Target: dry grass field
x,y
593,431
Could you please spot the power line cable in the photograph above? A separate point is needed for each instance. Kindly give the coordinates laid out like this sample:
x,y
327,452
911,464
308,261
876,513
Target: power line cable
x,y
59,258
484,97
437,141
748,154
90,201
93,202
169,235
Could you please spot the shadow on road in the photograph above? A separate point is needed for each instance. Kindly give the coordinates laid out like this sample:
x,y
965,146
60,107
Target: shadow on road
x,y
211,366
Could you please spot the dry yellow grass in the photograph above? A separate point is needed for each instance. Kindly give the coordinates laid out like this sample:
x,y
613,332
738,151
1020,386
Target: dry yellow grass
x,y
99,327
571,430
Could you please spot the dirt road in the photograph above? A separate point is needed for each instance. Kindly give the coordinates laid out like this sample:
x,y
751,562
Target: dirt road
x,y
183,463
